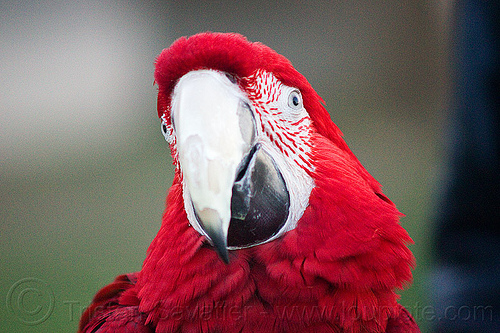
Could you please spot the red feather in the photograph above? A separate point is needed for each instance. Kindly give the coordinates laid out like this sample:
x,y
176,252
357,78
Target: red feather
x,y
109,313
335,272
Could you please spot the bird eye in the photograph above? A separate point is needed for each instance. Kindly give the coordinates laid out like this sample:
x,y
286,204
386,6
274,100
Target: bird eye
x,y
164,129
295,100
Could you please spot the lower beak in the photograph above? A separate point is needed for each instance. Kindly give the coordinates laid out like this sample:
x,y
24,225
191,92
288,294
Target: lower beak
x,y
260,201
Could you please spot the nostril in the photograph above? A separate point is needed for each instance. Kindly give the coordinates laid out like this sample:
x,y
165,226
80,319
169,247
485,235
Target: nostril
x,y
231,78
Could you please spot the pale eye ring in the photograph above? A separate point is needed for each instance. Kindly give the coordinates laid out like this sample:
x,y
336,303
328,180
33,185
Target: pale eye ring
x,y
295,99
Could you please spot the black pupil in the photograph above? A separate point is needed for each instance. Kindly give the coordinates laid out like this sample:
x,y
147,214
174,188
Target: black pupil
x,y
164,128
295,100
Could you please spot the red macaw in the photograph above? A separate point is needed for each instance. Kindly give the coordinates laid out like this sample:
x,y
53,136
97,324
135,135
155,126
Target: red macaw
x,y
271,223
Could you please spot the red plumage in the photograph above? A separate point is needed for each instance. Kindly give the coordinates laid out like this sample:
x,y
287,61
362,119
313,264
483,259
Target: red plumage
x,y
335,272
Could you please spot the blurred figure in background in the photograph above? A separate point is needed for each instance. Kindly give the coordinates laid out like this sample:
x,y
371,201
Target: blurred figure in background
x,y
466,281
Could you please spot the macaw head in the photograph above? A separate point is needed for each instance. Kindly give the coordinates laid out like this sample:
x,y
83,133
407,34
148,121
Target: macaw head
x,y
240,121
264,177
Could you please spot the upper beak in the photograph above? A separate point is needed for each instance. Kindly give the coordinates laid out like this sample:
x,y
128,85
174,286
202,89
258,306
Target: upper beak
x,y
214,129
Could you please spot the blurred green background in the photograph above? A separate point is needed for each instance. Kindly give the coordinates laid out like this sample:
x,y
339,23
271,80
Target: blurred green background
x,y
84,169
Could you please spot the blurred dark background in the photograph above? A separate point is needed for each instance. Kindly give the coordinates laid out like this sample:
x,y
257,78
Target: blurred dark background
x,y
84,169
465,280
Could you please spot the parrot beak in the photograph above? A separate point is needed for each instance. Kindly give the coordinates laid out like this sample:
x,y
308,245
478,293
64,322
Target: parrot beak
x,y
227,177
207,111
